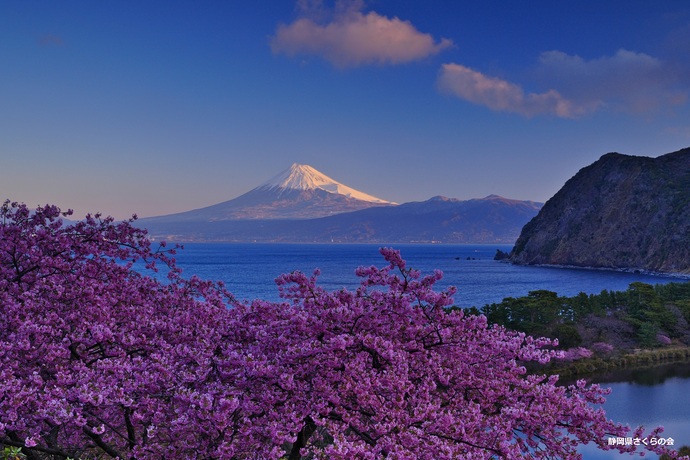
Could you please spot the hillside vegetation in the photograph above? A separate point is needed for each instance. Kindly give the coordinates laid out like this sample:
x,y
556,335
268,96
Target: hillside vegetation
x,y
642,317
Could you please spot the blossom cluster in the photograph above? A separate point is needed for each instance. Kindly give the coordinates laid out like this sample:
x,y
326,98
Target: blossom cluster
x,y
574,354
602,348
99,358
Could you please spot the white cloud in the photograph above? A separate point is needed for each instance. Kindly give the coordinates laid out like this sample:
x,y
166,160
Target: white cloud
x,y
352,38
501,95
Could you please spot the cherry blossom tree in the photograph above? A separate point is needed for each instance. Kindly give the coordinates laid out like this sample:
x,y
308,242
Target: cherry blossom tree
x,y
94,354
100,359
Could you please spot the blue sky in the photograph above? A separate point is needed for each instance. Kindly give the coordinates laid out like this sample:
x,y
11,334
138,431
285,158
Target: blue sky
x,y
154,107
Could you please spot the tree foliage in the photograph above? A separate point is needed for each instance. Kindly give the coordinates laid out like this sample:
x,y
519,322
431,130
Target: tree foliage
x,y
647,311
102,361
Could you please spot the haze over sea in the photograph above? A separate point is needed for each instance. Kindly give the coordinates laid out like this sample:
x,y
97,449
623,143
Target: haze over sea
x,y
249,270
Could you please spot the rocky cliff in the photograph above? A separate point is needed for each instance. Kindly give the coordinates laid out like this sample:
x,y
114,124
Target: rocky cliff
x,y
621,212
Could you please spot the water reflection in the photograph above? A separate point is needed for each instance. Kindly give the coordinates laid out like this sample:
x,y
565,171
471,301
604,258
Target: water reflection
x,y
657,396
649,376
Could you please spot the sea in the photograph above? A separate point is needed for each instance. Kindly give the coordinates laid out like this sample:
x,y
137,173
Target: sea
x,y
249,272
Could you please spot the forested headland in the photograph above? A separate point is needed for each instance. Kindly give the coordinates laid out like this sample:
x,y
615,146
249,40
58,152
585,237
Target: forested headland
x,y
642,325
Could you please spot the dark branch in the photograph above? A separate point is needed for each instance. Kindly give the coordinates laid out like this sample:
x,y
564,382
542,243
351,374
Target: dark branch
x,y
302,438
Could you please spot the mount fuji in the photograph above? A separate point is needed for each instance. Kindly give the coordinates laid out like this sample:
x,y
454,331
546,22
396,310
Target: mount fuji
x,y
304,177
299,192
303,205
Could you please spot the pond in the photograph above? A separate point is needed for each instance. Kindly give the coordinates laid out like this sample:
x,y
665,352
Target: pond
x,y
658,396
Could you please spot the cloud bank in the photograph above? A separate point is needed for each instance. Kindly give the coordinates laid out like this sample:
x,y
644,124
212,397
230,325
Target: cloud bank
x,y
568,86
627,81
501,95
352,38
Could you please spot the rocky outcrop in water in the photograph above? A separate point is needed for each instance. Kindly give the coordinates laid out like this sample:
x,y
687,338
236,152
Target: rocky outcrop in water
x,y
621,212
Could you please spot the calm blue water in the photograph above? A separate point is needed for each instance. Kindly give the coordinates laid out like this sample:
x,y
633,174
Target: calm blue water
x,y
652,397
249,271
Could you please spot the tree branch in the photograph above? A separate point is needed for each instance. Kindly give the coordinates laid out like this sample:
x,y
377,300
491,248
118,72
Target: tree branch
x,y
302,438
108,449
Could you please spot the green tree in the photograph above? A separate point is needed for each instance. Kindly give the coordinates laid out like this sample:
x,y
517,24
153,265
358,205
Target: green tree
x,y
646,335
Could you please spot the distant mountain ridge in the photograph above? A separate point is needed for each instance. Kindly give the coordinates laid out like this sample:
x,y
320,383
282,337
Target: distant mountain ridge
x,y
299,192
492,219
303,205
621,212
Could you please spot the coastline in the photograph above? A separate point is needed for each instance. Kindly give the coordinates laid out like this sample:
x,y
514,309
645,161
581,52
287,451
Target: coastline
x,y
641,271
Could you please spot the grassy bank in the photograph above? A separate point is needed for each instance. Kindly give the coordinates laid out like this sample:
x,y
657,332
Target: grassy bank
x,y
638,359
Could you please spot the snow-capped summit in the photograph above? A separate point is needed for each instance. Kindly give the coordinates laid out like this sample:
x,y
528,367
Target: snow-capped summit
x,y
299,192
304,177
